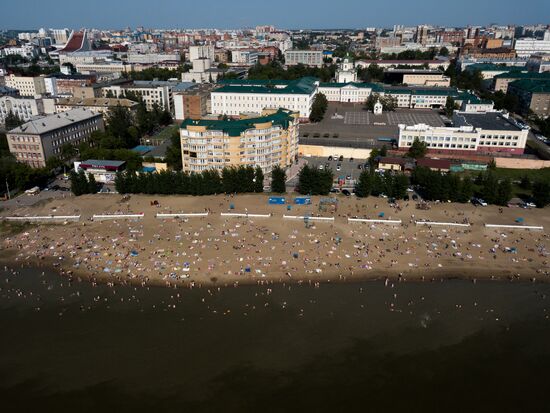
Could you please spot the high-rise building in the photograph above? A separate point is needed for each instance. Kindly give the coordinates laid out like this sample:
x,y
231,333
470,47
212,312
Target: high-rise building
x,y
264,141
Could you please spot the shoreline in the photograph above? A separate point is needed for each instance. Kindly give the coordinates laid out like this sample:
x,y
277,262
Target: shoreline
x,y
221,250
67,270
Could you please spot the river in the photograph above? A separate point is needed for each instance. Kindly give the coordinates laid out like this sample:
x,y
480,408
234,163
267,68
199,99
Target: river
x,y
433,346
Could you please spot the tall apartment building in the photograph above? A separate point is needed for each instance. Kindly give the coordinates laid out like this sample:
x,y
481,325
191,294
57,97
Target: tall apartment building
x,y
202,52
235,97
489,132
305,57
36,141
265,141
27,85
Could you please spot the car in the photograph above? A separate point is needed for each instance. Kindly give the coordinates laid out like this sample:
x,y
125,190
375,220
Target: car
x,y
410,190
346,192
415,197
360,166
391,200
335,191
479,201
321,167
351,159
327,165
530,204
329,158
348,177
338,167
383,196
341,158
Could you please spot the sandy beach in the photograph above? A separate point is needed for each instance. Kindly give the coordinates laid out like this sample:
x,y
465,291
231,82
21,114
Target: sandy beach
x,y
220,250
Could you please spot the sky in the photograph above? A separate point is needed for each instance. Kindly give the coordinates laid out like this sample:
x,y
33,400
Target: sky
x,y
289,14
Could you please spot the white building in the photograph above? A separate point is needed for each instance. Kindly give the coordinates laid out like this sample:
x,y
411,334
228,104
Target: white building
x,y
305,57
60,36
527,47
201,52
25,108
489,132
201,72
245,57
27,85
347,92
151,58
346,72
28,51
253,96
152,92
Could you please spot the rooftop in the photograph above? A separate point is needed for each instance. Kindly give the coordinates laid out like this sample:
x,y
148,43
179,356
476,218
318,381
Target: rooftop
x,y
531,85
282,117
102,164
524,75
491,67
486,121
304,85
103,102
53,122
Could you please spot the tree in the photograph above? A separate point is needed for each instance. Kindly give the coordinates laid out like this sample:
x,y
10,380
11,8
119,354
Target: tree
x,y
278,180
504,192
541,193
92,184
173,152
318,108
450,106
79,183
384,151
444,51
418,149
258,180
525,183
12,121
312,181
363,187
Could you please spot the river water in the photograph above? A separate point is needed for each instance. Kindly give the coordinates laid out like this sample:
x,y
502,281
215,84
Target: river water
x,y
434,346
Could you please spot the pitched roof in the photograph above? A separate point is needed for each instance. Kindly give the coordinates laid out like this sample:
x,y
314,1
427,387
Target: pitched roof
x,y
282,117
53,122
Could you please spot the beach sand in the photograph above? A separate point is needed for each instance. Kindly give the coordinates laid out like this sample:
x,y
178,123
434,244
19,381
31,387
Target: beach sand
x,y
217,250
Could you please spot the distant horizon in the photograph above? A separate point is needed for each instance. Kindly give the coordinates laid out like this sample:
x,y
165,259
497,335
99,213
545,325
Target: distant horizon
x,y
285,14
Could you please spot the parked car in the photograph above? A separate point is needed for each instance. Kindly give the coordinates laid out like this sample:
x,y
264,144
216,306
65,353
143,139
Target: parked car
x,y
341,158
360,166
327,165
348,177
346,192
321,167
335,191
329,158
479,201
338,167
351,159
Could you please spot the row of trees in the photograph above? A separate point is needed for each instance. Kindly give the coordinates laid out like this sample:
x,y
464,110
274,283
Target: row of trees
x,y
436,186
80,184
312,181
231,180
372,183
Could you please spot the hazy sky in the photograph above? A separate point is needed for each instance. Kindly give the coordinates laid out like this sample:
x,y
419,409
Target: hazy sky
x,y
28,14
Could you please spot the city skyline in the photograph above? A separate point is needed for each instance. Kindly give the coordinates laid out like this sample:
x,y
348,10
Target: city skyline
x,y
349,14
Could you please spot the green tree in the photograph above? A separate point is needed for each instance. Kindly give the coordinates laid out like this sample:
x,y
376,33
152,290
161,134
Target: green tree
x,y
363,187
541,193
173,152
12,121
258,180
418,149
450,106
318,108
278,180
504,192
92,184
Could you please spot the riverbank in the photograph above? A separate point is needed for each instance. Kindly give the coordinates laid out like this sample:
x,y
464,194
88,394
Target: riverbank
x,y
223,250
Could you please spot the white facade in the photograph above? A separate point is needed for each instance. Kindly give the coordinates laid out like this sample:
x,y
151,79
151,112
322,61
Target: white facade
x,y
201,52
27,86
28,51
305,57
245,57
346,72
337,92
152,93
25,108
528,47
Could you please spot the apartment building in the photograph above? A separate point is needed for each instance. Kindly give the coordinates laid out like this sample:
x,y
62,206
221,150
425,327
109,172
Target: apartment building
x,y
27,85
265,141
533,96
36,141
502,81
489,132
152,92
25,108
527,47
305,57
193,102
